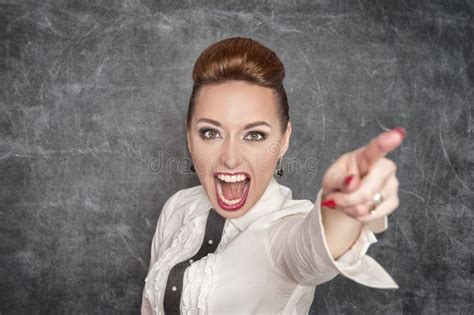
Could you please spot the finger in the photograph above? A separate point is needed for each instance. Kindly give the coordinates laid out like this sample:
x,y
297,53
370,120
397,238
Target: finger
x,y
384,209
352,181
368,187
377,148
352,166
344,177
364,211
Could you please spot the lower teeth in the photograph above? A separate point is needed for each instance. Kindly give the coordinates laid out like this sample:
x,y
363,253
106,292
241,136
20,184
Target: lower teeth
x,y
229,202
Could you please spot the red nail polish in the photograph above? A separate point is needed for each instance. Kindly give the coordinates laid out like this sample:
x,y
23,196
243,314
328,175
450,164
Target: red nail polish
x,y
401,131
348,180
329,203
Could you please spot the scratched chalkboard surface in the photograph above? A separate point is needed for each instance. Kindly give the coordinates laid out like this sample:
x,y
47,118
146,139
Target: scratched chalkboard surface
x,y
93,97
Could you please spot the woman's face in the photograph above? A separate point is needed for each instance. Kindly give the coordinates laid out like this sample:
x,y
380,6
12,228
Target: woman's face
x,y
235,142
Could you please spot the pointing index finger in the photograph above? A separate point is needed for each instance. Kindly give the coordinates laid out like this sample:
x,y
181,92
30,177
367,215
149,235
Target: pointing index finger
x,y
377,148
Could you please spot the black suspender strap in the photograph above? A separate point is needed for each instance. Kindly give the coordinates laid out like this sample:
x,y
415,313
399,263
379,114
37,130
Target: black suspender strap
x,y
174,285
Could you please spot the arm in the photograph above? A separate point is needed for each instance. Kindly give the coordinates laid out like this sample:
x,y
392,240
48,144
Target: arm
x,y
314,248
299,249
334,222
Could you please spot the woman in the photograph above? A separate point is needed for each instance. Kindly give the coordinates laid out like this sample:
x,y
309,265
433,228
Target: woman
x,y
239,243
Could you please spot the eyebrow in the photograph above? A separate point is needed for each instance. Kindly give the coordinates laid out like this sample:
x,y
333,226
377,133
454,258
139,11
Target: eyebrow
x,y
248,126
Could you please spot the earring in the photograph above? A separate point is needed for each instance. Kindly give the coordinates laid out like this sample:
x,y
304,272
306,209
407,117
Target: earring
x,y
279,170
192,169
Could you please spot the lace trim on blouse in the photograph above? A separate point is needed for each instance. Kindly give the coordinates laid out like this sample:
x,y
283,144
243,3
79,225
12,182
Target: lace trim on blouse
x,y
199,276
184,245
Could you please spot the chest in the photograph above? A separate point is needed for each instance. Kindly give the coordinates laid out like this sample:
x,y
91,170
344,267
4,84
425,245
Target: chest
x,y
238,271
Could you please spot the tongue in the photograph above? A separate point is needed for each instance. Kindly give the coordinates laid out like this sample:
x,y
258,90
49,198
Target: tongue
x,y
233,191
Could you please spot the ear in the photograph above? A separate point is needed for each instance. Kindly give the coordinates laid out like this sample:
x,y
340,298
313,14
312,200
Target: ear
x,y
286,140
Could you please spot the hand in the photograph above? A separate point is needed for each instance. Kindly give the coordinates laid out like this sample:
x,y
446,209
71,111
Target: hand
x,y
351,182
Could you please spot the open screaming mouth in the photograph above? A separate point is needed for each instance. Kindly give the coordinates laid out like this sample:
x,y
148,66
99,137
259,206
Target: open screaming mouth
x,y
232,190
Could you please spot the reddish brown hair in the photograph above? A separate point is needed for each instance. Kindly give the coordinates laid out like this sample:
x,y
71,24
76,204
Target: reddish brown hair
x,y
242,59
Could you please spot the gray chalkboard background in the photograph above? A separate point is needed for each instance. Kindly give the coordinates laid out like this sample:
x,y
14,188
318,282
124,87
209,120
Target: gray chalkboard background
x,y
93,99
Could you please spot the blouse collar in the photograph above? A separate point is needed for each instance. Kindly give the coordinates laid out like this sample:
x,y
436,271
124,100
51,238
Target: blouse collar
x,y
271,200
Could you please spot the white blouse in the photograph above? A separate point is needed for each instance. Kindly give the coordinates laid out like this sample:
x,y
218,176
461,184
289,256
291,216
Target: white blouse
x,y
269,261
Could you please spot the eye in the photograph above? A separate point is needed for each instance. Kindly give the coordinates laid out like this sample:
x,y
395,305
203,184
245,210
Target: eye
x,y
257,136
208,133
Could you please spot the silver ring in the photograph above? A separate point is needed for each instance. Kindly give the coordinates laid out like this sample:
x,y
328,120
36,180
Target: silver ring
x,y
377,200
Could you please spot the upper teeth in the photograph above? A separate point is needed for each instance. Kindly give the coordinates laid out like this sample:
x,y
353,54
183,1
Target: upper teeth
x,y
231,178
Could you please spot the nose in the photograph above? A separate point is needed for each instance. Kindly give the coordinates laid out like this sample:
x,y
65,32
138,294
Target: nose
x,y
231,154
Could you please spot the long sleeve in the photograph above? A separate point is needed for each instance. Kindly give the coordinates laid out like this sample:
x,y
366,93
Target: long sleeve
x,y
299,250
157,241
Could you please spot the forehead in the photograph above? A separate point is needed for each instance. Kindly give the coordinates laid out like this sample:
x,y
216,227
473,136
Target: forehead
x,y
236,102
